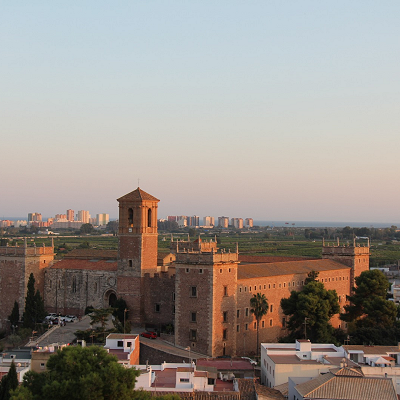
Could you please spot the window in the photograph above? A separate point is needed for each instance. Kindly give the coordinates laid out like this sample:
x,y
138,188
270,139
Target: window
x,y
240,290
249,288
200,270
284,284
269,286
237,328
211,381
255,325
247,312
271,308
173,296
260,287
246,327
225,316
274,285
128,344
265,286
173,309
225,290
220,271
245,288
229,270
270,322
193,317
42,365
262,324
157,307
237,313
193,335
224,334
130,263
149,217
193,291
255,288
183,379
187,270
120,343
130,216
74,284
289,284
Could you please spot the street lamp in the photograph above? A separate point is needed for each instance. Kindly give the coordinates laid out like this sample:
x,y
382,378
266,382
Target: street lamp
x,y
125,311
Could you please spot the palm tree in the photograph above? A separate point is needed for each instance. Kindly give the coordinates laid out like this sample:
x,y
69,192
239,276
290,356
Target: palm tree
x,y
259,304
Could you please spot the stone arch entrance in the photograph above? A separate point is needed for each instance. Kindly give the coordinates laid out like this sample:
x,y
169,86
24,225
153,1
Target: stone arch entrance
x,y
110,298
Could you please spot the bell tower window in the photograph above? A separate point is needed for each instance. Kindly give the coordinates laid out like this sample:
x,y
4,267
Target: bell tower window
x,y
149,217
130,216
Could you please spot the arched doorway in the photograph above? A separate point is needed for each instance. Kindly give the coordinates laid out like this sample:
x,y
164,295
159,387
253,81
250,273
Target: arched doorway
x,y
110,298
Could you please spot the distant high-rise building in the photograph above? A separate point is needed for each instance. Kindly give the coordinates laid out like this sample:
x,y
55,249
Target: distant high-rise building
x,y
102,219
70,215
237,223
172,218
62,217
249,222
223,222
193,221
182,221
209,221
34,217
83,216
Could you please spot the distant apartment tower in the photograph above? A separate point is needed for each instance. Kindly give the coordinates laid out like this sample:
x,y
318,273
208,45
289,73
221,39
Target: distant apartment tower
x,y
182,221
209,221
34,217
102,219
249,222
237,223
223,222
83,216
172,218
193,221
62,217
70,215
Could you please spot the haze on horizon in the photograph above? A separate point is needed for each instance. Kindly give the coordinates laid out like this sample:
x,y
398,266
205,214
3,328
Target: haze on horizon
x,y
270,110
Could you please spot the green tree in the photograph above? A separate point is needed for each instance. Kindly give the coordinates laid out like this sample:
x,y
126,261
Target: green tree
x,y
14,316
311,308
86,228
76,373
34,305
368,305
259,304
9,382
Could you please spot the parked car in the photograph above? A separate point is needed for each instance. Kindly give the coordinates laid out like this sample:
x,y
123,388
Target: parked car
x,y
150,335
73,318
252,362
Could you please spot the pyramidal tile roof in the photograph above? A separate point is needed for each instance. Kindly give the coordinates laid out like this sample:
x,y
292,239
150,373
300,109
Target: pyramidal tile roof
x,y
138,195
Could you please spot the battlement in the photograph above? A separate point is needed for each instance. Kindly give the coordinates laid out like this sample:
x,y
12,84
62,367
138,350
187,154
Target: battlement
x,y
13,251
195,246
345,250
193,257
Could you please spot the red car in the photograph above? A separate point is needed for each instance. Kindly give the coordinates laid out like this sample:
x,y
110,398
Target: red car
x,y
150,335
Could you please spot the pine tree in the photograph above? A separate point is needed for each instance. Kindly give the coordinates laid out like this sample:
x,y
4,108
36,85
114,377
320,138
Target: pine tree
x,y
8,382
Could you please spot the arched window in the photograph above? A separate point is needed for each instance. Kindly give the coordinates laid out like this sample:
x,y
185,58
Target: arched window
x,y
130,216
149,217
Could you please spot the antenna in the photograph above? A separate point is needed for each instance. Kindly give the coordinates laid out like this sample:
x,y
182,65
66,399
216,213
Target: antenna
x,y
138,180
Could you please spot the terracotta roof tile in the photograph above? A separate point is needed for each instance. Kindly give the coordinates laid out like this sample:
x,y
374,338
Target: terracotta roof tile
x,y
137,195
249,271
373,349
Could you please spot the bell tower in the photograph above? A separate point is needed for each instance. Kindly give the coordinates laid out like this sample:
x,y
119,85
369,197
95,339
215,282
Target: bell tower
x,y
137,247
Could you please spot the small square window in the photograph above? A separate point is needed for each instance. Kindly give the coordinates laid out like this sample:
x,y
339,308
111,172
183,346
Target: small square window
x,y
120,343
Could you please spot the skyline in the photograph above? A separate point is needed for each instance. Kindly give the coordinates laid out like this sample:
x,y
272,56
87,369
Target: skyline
x,y
288,110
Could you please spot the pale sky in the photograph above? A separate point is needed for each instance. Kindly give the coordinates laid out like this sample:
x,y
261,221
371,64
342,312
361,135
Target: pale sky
x,y
276,110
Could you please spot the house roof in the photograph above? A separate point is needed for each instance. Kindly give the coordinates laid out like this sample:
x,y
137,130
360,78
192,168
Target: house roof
x,y
224,364
347,384
372,349
122,336
93,265
138,195
250,271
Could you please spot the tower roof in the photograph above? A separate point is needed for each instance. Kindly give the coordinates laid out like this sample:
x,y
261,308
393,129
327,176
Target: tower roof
x,y
138,195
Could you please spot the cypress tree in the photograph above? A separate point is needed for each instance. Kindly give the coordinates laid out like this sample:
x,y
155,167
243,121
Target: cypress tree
x,y
29,313
14,316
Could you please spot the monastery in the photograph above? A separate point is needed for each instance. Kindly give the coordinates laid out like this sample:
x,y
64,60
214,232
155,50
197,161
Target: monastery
x,y
202,291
